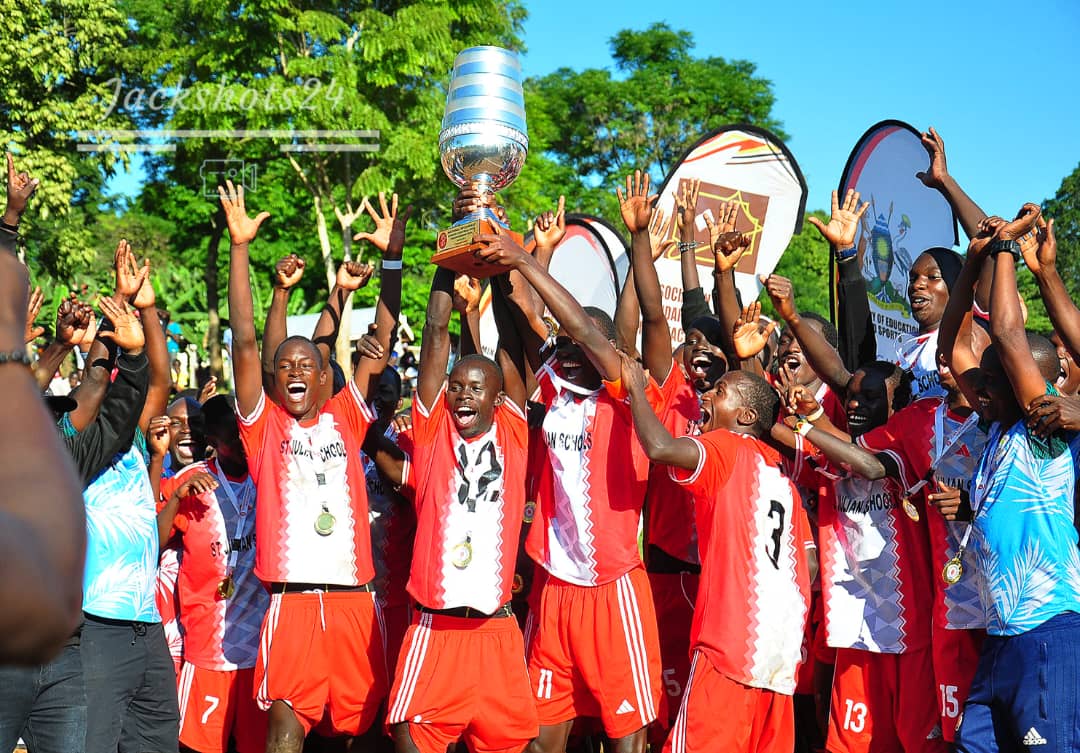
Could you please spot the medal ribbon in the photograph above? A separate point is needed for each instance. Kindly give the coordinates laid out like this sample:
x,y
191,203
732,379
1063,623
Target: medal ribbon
x,y
940,452
241,513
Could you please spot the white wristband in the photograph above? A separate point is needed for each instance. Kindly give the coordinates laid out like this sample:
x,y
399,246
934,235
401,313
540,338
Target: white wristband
x,y
391,264
816,414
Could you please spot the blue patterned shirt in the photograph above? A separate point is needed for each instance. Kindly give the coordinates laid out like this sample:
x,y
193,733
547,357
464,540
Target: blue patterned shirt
x,y
1023,537
122,540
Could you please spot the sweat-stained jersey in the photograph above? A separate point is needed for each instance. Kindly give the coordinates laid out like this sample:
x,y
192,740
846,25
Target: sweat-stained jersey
x,y
592,486
913,437
300,467
220,634
754,592
470,495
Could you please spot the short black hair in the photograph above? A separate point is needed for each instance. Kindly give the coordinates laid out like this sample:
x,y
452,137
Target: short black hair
x,y
602,318
484,362
828,331
306,341
218,412
901,380
1045,355
710,328
763,398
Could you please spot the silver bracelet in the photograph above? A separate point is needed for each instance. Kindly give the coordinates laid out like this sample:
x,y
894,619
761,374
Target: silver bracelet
x,y
685,246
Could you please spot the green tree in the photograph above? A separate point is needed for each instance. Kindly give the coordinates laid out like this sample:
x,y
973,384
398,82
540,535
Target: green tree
x,y
660,99
806,263
1064,209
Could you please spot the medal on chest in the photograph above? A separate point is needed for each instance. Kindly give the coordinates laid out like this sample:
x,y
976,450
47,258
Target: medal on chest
x,y
227,587
461,554
910,509
325,522
953,571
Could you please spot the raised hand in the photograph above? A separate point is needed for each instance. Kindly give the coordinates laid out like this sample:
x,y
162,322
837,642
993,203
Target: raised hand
x,y
402,422
840,232
800,401
157,436
389,234
288,271
1022,225
937,173
636,204
242,228
632,374
74,319
352,275
660,239
145,297
1042,255
686,199
728,247
127,333
467,293
728,212
33,308
749,335
550,227
781,294
196,483
368,346
20,187
129,278
208,390
980,244
500,249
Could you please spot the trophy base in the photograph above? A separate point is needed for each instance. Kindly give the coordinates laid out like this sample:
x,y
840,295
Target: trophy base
x,y
456,248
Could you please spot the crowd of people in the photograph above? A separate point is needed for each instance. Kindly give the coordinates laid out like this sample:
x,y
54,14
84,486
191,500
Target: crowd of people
x,y
763,539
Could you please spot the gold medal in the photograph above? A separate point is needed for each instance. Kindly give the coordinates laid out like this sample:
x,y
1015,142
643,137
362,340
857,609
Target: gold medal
x,y
529,512
910,509
324,523
519,584
227,587
953,571
461,556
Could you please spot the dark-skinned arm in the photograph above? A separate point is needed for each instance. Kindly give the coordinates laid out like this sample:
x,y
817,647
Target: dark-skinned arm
x,y
287,274
821,356
247,366
1063,313
509,355
435,348
96,376
659,445
954,334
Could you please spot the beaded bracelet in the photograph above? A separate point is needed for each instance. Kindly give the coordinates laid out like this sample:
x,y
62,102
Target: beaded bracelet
x,y
15,356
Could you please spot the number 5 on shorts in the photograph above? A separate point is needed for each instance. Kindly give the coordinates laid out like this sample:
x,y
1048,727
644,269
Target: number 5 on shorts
x,y
211,707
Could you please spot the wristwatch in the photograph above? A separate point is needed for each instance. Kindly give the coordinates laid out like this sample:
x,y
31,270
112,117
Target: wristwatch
x,y
1002,246
845,254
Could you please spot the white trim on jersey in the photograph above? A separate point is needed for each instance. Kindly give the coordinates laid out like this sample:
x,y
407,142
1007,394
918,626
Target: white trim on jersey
x,y
260,406
634,633
414,661
265,642
183,688
678,732
673,469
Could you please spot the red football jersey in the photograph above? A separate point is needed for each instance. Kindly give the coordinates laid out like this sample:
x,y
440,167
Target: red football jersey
x,y
393,530
754,593
470,494
875,562
913,437
670,507
304,470
592,487
220,634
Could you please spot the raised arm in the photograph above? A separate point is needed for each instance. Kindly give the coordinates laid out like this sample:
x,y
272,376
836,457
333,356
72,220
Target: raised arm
x,y
937,177
727,248
247,366
20,187
157,349
954,335
1006,318
1042,261
656,440
351,276
435,348
288,272
684,214
389,238
636,206
821,356
467,294
501,249
73,319
548,230
509,355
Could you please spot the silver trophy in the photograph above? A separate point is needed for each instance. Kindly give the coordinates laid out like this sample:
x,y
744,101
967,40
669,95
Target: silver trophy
x,y
483,143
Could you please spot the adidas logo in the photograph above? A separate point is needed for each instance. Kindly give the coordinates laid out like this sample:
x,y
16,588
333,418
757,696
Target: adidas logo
x,y
1033,738
935,733
626,708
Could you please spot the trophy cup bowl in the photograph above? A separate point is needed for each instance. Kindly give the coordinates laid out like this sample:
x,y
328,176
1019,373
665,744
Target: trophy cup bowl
x,y
483,143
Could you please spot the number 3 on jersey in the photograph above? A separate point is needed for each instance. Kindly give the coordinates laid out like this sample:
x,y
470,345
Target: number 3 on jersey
x,y
776,510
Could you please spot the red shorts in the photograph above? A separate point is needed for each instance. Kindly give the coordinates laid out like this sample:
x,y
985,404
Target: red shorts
x,y
884,702
955,656
673,597
718,712
323,653
594,651
215,705
463,677
395,621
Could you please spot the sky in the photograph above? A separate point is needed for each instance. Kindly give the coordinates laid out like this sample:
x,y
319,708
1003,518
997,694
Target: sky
x,y
999,81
